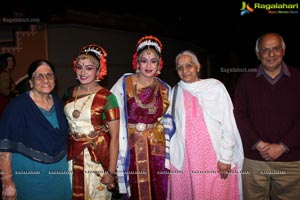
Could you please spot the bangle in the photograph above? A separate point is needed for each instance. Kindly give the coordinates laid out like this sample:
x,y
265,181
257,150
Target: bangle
x,y
112,174
6,176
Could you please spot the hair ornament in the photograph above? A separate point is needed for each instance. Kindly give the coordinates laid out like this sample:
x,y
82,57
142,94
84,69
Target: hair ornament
x,y
148,42
98,53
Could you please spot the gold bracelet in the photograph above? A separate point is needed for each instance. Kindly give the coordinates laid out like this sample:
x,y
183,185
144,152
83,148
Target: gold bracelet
x,y
6,176
112,174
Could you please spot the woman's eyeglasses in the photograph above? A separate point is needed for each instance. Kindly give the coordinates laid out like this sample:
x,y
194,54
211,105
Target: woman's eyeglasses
x,y
48,76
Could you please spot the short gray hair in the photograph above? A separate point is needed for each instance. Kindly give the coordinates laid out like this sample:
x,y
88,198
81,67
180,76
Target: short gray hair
x,y
189,53
262,36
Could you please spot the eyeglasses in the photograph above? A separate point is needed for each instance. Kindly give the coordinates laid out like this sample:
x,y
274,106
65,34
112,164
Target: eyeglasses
x,y
267,51
144,61
185,66
48,76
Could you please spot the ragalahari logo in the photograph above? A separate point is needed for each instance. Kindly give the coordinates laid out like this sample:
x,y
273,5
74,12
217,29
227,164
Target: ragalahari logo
x,y
246,9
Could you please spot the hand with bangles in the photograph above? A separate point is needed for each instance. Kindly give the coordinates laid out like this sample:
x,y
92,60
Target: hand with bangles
x,y
113,187
109,179
9,191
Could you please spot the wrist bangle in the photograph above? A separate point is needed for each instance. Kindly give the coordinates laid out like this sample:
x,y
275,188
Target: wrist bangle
x,y
113,174
6,176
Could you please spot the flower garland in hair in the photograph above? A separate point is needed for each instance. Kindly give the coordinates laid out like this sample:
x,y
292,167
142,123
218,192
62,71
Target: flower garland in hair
x,y
134,61
161,63
103,65
150,37
74,65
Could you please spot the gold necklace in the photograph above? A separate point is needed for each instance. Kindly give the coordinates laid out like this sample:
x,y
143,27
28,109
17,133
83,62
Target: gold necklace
x,y
76,113
143,82
150,106
87,88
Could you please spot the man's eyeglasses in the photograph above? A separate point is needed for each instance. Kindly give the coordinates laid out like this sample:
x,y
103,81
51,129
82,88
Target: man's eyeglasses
x,y
267,51
48,76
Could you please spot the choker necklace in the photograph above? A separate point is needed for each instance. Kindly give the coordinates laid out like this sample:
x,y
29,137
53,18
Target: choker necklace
x,y
87,88
143,82
76,113
150,106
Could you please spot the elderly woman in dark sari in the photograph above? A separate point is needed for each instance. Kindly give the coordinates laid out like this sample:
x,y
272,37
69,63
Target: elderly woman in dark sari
x,y
33,141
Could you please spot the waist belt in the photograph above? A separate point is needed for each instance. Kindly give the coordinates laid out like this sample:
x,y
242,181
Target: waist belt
x,y
90,135
141,126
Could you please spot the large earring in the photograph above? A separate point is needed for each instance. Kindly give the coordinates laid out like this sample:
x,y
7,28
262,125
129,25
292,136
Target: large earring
x,y
97,78
137,70
158,71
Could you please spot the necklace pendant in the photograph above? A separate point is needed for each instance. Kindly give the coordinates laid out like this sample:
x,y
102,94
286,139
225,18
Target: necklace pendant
x,y
152,110
76,113
101,187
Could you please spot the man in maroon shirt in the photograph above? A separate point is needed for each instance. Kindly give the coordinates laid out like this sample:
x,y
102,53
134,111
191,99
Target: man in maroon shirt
x,y
267,112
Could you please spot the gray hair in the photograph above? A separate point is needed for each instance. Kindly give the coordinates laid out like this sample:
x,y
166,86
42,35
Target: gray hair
x,y
189,53
262,36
